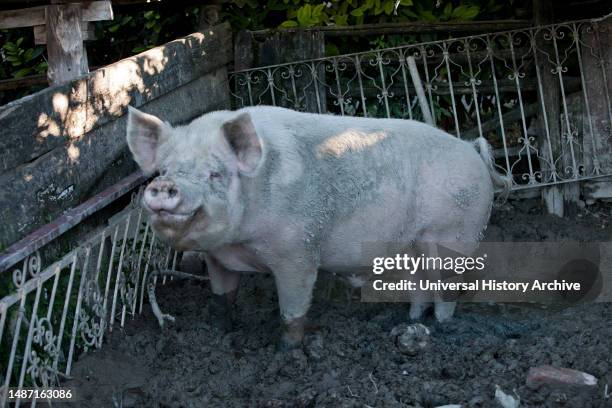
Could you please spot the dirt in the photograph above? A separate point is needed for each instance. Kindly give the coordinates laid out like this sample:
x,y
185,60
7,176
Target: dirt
x,y
349,358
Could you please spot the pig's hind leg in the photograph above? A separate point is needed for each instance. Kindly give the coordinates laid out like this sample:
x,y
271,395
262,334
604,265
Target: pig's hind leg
x,y
443,308
224,285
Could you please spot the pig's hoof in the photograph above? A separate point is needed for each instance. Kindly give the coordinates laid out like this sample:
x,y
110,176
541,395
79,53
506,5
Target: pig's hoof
x,y
286,345
444,311
221,313
417,309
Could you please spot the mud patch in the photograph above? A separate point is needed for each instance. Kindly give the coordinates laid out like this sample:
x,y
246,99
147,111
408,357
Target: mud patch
x,y
349,358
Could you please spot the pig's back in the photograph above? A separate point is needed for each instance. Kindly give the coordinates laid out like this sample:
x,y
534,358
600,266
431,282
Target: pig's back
x,y
350,179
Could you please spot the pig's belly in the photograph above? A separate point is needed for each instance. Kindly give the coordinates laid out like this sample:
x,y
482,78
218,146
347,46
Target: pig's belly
x,y
350,245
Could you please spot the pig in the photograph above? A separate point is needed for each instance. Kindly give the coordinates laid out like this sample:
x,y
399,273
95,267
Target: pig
x,y
268,189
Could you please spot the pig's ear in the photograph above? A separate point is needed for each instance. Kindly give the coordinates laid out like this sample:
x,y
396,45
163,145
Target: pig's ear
x,y
145,133
244,142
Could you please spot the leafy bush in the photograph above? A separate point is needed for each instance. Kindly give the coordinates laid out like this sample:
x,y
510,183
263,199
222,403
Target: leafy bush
x,y
254,15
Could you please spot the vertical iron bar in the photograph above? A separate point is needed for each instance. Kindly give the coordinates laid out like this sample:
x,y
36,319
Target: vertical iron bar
x,y
382,82
570,137
405,82
60,334
75,323
473,85
586,99
360,82
119,272
553,168
498,102
517,82
428,85
452,91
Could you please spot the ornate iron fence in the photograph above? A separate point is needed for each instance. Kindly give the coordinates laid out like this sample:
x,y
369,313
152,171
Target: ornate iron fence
x,y
540,96
48,315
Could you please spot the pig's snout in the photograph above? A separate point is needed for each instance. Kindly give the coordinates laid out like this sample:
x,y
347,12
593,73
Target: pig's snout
x,y
162,195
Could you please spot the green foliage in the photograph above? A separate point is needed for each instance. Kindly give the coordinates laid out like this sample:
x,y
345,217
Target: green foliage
x,y
132,33
20,60
254,15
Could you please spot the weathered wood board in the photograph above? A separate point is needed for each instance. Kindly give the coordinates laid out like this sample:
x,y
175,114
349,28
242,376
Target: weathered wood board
x,y
33,16
67,55
65,143
598,189
597,60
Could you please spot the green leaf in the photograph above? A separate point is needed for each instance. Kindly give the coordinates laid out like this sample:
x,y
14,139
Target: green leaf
x,y
41,67
377,8
303,15
28,54
389,6
114,28
358,12
465,13
447,12
22,72
288,24
331,50
37,52
410,13
427,15
341,20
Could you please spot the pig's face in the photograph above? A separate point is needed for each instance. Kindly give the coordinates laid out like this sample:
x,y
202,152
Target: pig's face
x,y
195,203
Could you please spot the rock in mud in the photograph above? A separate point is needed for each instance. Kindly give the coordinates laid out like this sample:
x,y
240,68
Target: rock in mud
x,y
504,400
559,377
411,339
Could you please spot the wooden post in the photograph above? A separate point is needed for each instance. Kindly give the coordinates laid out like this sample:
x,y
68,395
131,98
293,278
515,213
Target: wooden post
x,y
243,50
209,16
67,55
63,27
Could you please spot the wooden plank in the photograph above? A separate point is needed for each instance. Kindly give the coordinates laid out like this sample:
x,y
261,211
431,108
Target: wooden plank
x,y
67,57
34,125
597,141
40,33
22,18
597,189
97,10
412,27
549,107
34,16
69,219
20,83
74,171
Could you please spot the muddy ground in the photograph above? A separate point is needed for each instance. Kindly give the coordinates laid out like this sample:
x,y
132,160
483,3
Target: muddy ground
x,y
350,359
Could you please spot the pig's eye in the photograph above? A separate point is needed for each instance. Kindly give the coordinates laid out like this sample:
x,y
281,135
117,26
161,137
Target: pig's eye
x,y
215,175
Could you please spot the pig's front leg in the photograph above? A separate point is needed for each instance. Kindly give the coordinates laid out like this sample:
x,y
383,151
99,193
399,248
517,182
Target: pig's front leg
x,y
295,281
224,284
